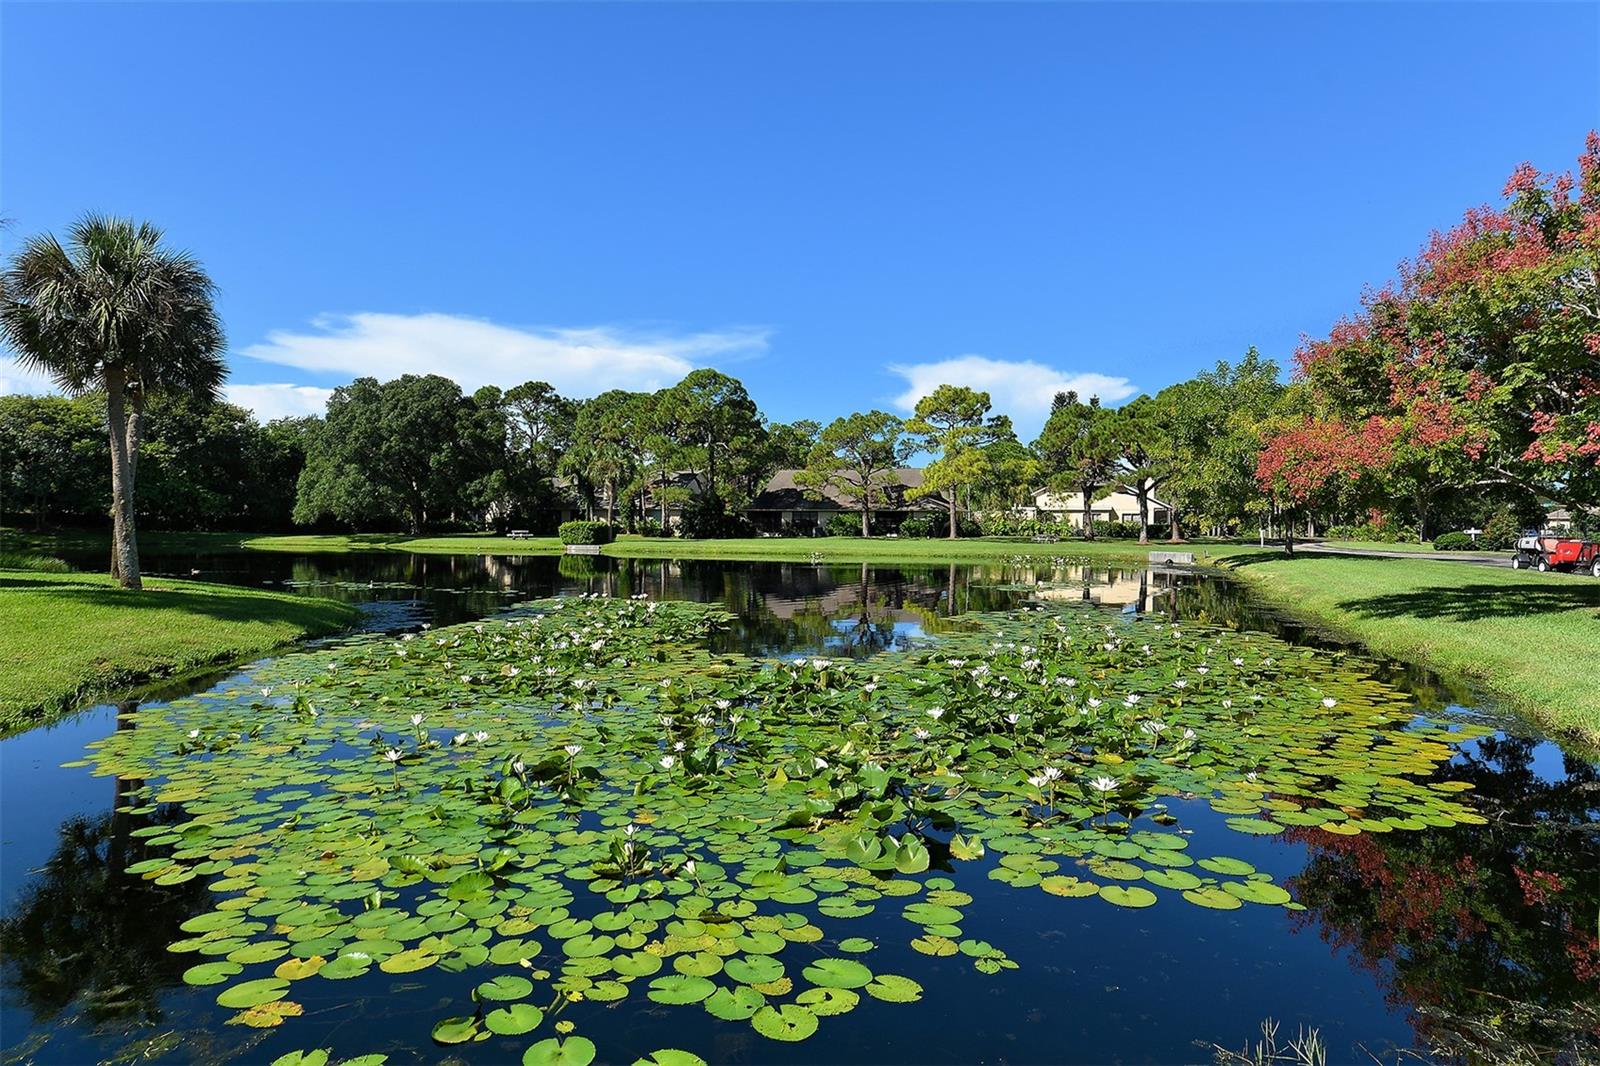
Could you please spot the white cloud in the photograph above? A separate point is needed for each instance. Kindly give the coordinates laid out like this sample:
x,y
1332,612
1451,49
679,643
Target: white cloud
x,y
15,379
1020,388
278,401
474,352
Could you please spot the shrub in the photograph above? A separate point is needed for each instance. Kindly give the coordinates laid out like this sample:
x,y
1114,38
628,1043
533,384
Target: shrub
x,y
1501,531
1452,542
581,531
1386,532
43,564
1117,530
708,518
649,527
844,524
917,525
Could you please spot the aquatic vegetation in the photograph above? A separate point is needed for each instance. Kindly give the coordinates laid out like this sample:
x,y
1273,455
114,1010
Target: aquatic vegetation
x,y
581,801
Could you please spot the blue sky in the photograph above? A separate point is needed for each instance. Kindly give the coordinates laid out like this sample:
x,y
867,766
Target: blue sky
x,y
840,204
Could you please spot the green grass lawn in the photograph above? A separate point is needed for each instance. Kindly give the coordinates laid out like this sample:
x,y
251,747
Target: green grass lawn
x,y
1532,640
66,637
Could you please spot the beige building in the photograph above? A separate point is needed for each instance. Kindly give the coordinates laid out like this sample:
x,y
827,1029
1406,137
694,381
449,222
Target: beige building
x,y
1118,505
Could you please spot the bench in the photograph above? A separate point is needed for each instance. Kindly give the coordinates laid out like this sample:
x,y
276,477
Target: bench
x,y
1182,558
1045,538
520,534
582,549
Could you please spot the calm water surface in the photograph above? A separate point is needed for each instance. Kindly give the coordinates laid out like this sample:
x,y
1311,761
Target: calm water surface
x,y
1402,931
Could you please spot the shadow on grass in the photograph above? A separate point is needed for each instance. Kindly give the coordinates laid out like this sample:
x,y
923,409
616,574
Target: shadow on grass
x,y
1474,603
221,605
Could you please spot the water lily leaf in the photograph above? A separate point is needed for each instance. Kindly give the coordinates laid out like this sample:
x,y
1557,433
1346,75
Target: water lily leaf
x,y
789,1022
314,1057
753,969
455,1030
1258,826
1060,885
966,848
670,1057
734,1004
1212,897
409,961
837,973
825,1002
892,988
937,946
513,1020
504,988
680,988
1127,896
1257,892
558,1051
253,993
856,945
211,973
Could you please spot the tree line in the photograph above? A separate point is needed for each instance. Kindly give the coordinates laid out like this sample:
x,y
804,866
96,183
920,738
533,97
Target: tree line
x,y
1465,392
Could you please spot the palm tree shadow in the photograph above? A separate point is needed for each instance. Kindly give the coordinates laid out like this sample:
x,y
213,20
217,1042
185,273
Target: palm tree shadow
x,y
222,604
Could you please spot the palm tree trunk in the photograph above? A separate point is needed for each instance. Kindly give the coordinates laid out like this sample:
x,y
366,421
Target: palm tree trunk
x,y
124,536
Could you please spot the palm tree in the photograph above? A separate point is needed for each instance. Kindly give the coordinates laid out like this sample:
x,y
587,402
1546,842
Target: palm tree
x,y
116,312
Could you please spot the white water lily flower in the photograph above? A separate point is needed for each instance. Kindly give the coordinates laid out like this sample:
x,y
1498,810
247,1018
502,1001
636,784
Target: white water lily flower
x,y
1013,718
517,767
819,763
480,736
935,712
921,734
267,691
573,749
459,738
193,733
1188,734
416,719
1037,780
1153,727
1051,773
1329,702
723,705
1103,784
1180,683
688,866
393,755
1094,702
679,746
1227,703
668,762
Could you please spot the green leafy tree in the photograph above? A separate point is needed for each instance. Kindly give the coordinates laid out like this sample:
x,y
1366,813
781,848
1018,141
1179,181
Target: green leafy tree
x,y
387,452
856,457
52,458
718,430
1079,450
604,452
951,422
115,311
1144,452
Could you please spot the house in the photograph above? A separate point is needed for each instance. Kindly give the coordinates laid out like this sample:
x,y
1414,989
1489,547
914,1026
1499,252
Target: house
x,y
1118,505
784,505
1558,520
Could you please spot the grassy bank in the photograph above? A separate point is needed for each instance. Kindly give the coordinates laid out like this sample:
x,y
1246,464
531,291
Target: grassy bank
x,y
1530,640
67,637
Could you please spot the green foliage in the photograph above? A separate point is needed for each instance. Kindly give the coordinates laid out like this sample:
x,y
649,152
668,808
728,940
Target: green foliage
x,y
582,531
842,524
1453,542
854,460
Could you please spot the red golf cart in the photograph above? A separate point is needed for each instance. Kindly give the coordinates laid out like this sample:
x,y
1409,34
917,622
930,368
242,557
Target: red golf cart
x,y
1545,552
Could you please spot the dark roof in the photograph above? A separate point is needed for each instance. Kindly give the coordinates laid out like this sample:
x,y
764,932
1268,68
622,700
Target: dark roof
x,y
782,494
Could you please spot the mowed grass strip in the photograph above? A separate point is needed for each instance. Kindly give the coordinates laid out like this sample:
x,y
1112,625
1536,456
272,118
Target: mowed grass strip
x,y
69,637
1530,640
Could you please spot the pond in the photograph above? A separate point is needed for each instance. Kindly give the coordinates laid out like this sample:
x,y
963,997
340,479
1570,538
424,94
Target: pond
x,y
1013,813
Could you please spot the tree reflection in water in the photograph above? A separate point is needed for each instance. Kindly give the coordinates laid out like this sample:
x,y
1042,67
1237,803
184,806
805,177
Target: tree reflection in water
x,y
1486,932
84,933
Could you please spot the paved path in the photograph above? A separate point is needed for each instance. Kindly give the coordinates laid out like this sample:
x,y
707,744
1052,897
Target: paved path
x,y
1500,559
